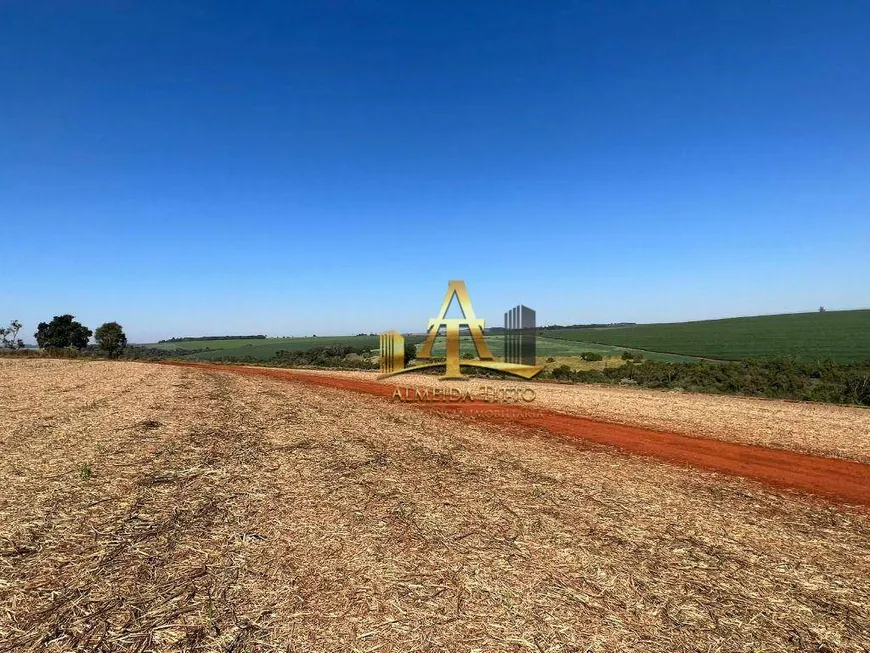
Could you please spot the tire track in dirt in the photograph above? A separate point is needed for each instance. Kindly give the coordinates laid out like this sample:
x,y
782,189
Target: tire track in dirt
x,y
841,480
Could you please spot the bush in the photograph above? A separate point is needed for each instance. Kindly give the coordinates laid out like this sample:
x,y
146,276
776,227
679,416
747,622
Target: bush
x,y
563,373
591,356
410,352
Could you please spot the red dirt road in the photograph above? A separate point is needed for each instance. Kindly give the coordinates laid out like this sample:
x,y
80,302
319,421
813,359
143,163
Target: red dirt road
x,y
841,480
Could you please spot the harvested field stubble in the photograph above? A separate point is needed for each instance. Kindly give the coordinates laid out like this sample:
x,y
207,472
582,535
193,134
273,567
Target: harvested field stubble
x,y
235,513
821,429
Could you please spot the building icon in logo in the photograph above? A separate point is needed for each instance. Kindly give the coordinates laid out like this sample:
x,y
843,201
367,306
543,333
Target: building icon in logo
x,y
392,352
519,341
519,335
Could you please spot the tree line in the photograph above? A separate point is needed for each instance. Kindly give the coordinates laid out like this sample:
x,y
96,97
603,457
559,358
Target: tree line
x,y
64,332
198,338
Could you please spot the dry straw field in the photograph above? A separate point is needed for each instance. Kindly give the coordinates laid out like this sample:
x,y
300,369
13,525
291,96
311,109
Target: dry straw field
x,y
816,428
150,507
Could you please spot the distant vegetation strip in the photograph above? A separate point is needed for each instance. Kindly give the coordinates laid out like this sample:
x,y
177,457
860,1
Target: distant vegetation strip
x,y
609,325
776,378
840,336
263,350
198,338
268,346
846,383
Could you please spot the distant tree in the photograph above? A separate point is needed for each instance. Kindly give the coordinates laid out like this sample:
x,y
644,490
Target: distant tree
x,y
63,331
591,356
822,309
111,339
9,336
410,352
563,372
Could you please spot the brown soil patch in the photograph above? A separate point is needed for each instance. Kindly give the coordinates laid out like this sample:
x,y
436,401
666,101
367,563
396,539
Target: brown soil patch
x,y
838,479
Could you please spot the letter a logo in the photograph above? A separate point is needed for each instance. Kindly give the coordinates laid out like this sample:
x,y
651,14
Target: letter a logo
x,y
392,348
452,325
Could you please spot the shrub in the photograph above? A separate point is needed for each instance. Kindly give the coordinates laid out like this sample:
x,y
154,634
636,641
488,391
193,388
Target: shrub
x,y
563,372
591,356
85,471
410,352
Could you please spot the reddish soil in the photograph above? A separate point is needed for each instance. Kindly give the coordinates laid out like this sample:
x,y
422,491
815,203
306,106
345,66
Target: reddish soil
x,y
842,480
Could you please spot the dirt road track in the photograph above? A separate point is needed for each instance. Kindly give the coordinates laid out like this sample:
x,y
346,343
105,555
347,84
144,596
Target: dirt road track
x,y
841,480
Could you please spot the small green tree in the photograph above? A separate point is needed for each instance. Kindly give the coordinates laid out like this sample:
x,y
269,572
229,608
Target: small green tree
x,y
591,356
9,336
563,373
410,352
111,339
63,331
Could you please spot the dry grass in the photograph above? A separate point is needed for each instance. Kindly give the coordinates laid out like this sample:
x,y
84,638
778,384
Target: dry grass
x,y
821,429
577,363
237,513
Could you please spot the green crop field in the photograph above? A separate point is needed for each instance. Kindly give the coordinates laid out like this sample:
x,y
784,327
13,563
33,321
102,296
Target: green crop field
x,y
225,344
546,346
265,349
841,336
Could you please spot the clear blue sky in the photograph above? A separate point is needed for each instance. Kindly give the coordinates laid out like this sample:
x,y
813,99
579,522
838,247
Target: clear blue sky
x,y
326,167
